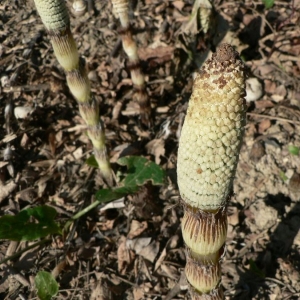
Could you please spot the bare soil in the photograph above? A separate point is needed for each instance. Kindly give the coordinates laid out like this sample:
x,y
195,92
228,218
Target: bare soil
x,y
134,250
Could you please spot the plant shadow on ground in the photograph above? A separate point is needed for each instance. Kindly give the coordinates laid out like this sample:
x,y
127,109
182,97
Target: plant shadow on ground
x,y
277,258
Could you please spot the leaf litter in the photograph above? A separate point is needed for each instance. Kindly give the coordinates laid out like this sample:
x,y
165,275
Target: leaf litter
x,y
134,249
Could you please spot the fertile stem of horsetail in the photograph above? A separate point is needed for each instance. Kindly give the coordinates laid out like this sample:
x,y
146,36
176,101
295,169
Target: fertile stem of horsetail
x,y
55,17
204,10
207,158
205,14
130,48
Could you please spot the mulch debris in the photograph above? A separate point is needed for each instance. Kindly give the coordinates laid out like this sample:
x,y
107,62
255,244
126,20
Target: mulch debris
x,y
132,248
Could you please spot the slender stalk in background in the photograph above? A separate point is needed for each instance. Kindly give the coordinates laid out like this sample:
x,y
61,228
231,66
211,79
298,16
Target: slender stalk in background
x,y
205,13
201,18
55,17
130,48
207,158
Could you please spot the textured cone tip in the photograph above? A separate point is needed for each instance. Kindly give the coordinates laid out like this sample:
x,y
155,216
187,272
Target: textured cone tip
x,y
54,14
212,132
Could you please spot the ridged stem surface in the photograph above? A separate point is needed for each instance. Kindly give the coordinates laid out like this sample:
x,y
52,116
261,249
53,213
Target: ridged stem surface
x,y
207,158
55,17
130,48
205,13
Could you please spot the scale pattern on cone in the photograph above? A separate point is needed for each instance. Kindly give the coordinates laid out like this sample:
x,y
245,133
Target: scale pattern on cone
x,y
212,131
207,158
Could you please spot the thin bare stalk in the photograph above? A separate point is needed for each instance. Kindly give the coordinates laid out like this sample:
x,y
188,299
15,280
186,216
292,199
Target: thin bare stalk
x,y
201,17
130,48
207,158
55,17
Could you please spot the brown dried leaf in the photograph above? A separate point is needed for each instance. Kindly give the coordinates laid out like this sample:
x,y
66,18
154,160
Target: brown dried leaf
x,y
137,228
24,141
100,289
257,151
27,194
179,4
156,147
7,189
132,109
125,256
52,142
59,268
264,125
106,225
171,244
158,53
264,104
170,271
138,293
270,86
150,252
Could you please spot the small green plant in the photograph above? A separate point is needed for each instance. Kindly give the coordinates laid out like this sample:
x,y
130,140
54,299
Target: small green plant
x,y
46,285
283,176
38,222
29,224
294,150
268,3
256,270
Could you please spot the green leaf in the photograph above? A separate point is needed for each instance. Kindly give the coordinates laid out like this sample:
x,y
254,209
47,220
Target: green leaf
x,y
46,285
29,224
293,150
107,195
283,176
268,3
255,269
91,161
140,171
